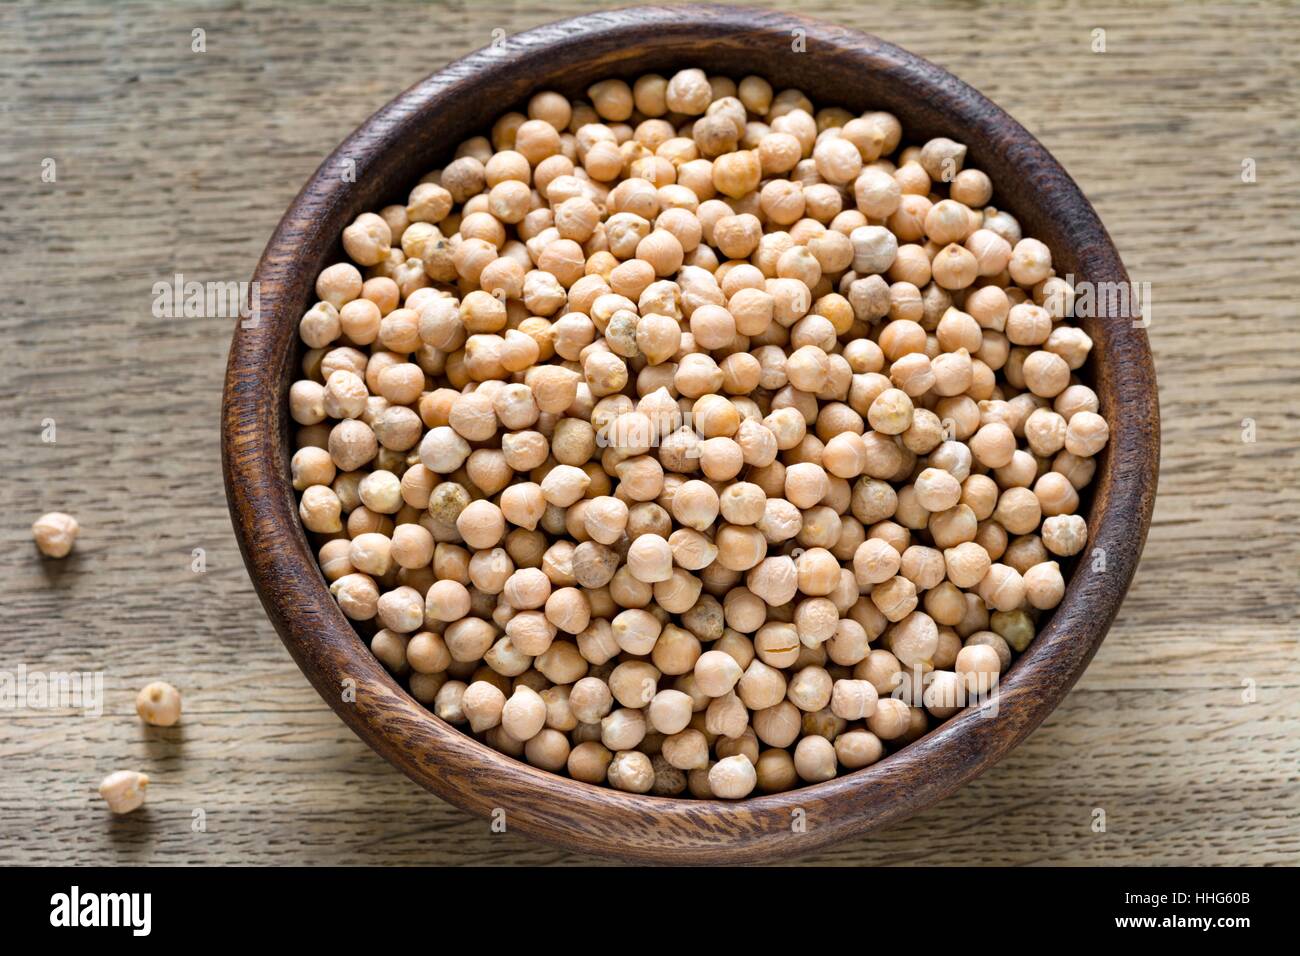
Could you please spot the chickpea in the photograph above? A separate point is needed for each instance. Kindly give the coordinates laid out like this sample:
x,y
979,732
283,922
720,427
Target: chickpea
x,y
853,699
56,532
1002,588
524,714
732,778
978,667
159,704
1065,535
891,719
483,704
124,790
716,673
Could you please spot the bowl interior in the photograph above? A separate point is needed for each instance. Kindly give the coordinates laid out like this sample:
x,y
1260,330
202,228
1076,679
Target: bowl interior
x,y
417,132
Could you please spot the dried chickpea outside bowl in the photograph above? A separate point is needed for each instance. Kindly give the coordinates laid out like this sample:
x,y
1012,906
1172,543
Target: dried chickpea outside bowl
x,y
834,67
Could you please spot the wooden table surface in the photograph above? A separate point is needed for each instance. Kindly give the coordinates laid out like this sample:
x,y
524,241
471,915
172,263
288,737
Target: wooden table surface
x,y
1184,732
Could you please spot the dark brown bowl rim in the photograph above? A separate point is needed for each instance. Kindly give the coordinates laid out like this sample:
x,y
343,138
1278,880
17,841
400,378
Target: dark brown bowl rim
x,y
595,819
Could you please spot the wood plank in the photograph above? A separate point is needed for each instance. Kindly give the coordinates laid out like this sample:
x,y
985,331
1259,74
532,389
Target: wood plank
x,y
172,161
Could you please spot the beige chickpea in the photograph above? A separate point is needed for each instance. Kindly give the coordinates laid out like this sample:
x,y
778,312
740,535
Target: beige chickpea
x,y
442,450
838,161
716,673
737,174
427,653
818,572
875,562
158,703
739,547
972,188
894,598
810,689
447,601
914,640
858,748
688,92
687,750
891,412
447,700
993,445
955,267
381,492
726,718
966,564
815,760
853,699
367,239
590,700
1086,434
524,714
937,490
481,524
320,325
124,790
338,284
390,648
1055,494
307,402
775,580
1002,588
523,504
333,557
761,686
569,610
691,549
319,508
564,485
881,669
650,559
549,749
1045,373
1031,262
483,704
732,778
669,712
401,610
721,458
589,762
1065,535
891,719
978,667
1018,510
622,729
56,532
1044,586
633,683
636,631
1045,432
806,484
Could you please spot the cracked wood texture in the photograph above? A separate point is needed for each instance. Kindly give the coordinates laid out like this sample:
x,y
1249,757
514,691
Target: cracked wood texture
x,y
1184,729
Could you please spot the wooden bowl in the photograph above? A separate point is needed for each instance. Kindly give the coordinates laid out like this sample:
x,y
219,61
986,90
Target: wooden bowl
x,y
414,133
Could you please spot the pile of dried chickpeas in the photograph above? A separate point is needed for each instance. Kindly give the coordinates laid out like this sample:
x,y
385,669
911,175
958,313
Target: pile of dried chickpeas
x,y
693,439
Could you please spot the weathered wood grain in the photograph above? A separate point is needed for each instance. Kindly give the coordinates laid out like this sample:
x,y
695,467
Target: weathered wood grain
x,y
175,161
